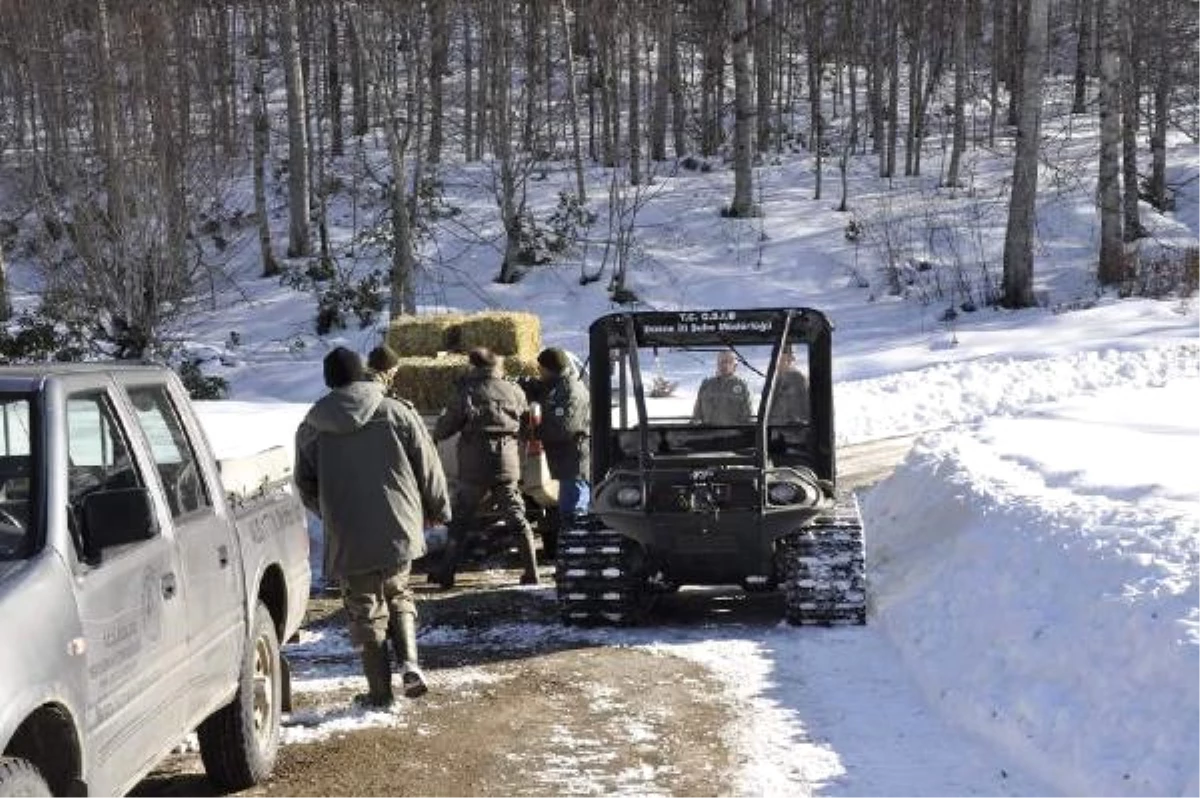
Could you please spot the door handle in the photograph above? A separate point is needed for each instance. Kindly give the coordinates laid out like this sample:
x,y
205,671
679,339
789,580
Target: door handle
x,y
168,586
223,556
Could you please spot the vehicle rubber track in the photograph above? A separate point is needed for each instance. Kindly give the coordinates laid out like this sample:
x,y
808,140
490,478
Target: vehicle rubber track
x,y
822,568
599,576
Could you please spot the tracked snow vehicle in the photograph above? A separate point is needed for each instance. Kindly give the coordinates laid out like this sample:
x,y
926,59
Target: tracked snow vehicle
x,y
681,498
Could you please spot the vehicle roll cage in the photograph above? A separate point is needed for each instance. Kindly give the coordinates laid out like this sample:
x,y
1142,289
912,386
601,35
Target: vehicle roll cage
x,y
614,341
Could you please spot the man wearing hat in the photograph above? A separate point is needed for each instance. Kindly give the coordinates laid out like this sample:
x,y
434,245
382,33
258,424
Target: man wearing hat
x,y
487,413
366,466
383,363
565,432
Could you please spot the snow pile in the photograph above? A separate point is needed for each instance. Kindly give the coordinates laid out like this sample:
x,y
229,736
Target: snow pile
x,y
1039,577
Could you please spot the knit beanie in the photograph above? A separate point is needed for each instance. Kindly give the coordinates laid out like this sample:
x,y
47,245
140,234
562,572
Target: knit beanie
x,y
554,360
382,358
482,358
343,367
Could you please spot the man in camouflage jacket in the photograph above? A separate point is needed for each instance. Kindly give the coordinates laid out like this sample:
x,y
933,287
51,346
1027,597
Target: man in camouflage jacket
x,y
487,413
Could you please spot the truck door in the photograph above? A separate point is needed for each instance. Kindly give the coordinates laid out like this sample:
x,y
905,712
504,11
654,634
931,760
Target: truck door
x,y
209,558
131,607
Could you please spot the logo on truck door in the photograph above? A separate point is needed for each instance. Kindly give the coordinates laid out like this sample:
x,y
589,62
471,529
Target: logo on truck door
x,y
151,604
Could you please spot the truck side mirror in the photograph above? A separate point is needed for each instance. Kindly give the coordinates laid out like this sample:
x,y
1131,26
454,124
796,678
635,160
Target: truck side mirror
x,y
116,517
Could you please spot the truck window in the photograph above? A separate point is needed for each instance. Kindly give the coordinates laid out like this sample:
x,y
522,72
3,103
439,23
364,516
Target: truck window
x,y
171,449
16,472
97,453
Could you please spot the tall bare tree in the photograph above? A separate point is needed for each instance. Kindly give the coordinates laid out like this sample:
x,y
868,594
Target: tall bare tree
x,y
1112,267
743,124
1022,216
299,232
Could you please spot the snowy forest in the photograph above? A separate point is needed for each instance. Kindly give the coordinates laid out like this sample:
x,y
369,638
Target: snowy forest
x,y
127,127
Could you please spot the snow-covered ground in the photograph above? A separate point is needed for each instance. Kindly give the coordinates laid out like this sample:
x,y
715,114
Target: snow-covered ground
x,y
1032,563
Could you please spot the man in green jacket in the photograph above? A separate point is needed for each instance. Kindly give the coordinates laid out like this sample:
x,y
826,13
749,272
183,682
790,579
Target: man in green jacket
x,y
365,465
487,413
565,432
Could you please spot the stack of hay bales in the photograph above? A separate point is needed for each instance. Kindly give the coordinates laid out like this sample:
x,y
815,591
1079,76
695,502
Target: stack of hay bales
x,y
433,349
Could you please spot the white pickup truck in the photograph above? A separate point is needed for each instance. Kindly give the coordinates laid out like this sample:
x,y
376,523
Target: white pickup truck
x,y
140,597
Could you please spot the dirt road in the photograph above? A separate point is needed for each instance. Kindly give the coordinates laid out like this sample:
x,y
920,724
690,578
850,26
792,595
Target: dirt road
x,y
519,705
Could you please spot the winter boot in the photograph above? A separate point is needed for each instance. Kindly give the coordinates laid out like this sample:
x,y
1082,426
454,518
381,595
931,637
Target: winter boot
x,y
444,575
403,631
379,677
529,555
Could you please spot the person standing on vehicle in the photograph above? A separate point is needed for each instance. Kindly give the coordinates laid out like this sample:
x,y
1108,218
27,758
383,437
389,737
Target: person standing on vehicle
x,y
366,466
383,363
790,403
487,413
723,400
565,432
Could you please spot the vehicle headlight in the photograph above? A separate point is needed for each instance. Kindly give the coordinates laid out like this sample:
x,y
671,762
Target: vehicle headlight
x,y
629,496
784,492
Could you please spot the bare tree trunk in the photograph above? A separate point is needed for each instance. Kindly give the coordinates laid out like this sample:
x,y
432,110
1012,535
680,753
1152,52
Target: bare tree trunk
x,y
875,90
333,74
1022,211
1162,96
358,79
893,94
299,236
678,107
635,105
438,66
763,61
1112,267
1083,56
262,143
743,126
960,92
662,81
573,104
999,67
468,88
1130,90
5,299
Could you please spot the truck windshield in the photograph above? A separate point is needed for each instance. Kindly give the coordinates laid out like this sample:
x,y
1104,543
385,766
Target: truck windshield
x,y
18,536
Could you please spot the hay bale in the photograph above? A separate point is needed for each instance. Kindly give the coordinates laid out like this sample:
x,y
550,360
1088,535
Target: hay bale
x,y
422,336
430,382
510,334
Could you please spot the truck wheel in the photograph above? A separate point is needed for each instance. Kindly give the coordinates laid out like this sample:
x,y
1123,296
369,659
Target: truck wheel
x,y
19,777
239,741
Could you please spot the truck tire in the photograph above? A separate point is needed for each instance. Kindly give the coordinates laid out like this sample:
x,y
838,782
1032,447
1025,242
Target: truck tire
x,y
239,742
20,777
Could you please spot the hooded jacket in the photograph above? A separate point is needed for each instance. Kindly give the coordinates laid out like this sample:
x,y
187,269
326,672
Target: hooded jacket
x,y
366,466
487,411
566,427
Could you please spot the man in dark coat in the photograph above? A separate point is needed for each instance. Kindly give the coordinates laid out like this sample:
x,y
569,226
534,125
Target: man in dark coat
x,y
366,466
790,403
723,399
487,413
565,432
